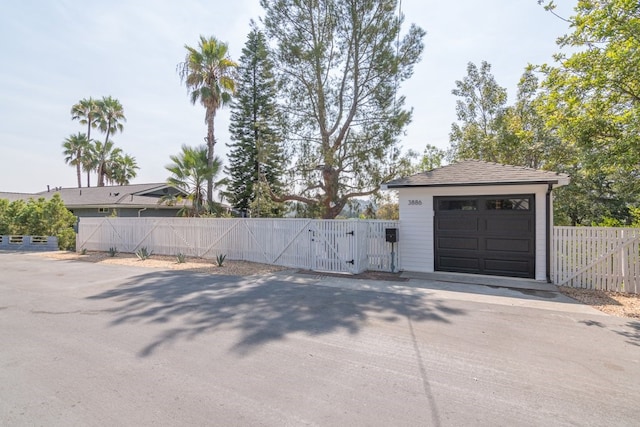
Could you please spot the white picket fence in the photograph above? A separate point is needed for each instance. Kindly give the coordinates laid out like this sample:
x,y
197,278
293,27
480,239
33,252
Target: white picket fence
x,y
350,246
582,257
597,258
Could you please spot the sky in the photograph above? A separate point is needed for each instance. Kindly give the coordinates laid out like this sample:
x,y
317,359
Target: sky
x,y
57,52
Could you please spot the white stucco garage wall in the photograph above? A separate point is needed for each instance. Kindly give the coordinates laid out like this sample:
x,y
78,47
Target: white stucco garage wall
x,y
416,222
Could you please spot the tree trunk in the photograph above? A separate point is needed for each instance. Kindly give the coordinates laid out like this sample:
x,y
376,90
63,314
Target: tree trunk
x,y
89,142
78,170
101,173
211,113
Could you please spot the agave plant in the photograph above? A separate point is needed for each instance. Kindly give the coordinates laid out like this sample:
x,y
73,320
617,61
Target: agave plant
x,y
143,253
220,259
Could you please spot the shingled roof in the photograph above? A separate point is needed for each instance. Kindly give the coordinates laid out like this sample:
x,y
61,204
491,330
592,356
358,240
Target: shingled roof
x,y
116,195
134,196
476,172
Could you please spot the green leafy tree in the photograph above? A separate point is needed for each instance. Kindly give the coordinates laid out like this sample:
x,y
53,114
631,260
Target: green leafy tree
x,y
592,100
5,217
255,152
73,148
39,218
110,118
208,73
190,172
340,64
525,139
480,113
431,158
389,211
491,130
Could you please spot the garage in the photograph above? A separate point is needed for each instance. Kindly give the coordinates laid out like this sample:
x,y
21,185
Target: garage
x,y
477,217
492,235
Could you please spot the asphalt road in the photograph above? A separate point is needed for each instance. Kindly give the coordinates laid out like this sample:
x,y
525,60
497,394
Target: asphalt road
x,y
97,345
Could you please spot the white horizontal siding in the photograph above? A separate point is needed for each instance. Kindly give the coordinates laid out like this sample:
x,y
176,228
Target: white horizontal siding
x,y
416,230
416,222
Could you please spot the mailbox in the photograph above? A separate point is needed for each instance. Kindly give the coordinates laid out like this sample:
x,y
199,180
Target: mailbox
x,y
391,235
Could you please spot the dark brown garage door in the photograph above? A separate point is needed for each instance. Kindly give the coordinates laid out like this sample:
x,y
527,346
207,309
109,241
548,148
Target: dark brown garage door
x,y
492,235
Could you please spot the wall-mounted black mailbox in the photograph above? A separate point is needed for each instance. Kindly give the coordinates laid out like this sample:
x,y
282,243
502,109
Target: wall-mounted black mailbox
x,y
391,235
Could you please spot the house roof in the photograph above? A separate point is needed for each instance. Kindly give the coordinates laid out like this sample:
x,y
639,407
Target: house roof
x,y
15,196
476,172
136,195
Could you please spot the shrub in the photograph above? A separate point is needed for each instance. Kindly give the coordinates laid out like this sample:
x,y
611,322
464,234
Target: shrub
x,y
39,218
143,253
220,260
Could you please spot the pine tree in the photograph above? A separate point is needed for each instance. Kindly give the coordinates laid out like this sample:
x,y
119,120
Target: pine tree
x,y
256,160
340,64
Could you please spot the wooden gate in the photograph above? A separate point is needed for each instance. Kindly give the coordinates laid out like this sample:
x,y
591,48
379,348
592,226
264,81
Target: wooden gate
x,y
597,258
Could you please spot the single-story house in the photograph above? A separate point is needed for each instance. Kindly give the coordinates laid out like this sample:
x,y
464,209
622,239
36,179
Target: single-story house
x,y
136,200
477,217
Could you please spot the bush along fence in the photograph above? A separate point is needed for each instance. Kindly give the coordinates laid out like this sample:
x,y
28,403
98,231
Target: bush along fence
x,y
349,246
597,258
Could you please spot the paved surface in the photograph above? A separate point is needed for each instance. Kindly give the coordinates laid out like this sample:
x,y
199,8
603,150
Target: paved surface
x,y
88,344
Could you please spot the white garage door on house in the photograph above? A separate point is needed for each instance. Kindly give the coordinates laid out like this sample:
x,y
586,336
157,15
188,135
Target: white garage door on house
x,y
477,217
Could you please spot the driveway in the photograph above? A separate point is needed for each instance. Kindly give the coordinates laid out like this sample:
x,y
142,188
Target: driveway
x,y
92,345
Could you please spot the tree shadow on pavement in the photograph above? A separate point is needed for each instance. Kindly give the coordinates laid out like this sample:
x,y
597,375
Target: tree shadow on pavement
x,y
632,333
263,309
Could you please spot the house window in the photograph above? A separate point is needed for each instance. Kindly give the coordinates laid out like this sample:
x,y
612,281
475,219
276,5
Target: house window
x,y
104,210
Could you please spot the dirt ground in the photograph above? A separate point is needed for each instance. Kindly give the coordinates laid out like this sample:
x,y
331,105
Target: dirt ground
x,y
229,267
613,303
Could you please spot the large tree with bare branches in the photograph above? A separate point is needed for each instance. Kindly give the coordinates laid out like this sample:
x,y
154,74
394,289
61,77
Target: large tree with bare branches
x,y
340,64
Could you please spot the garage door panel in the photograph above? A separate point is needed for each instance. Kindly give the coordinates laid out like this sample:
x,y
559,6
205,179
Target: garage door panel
x,y
459,263
463,243
518,268
504,225
457,224
508,245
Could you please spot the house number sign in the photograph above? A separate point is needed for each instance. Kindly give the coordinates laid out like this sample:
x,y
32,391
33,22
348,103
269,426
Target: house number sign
x,y
414,202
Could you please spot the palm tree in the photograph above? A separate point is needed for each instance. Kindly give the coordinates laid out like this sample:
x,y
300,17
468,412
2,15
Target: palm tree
x,y
111,116
105,153
121,169
208,73
74,147
190,171
89,161
86,112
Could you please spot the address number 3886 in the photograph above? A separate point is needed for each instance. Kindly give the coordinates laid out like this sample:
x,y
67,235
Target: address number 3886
x,y
414,202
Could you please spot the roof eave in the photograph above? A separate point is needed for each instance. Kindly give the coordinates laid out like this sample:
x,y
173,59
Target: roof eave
x,y
475,184
112,206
